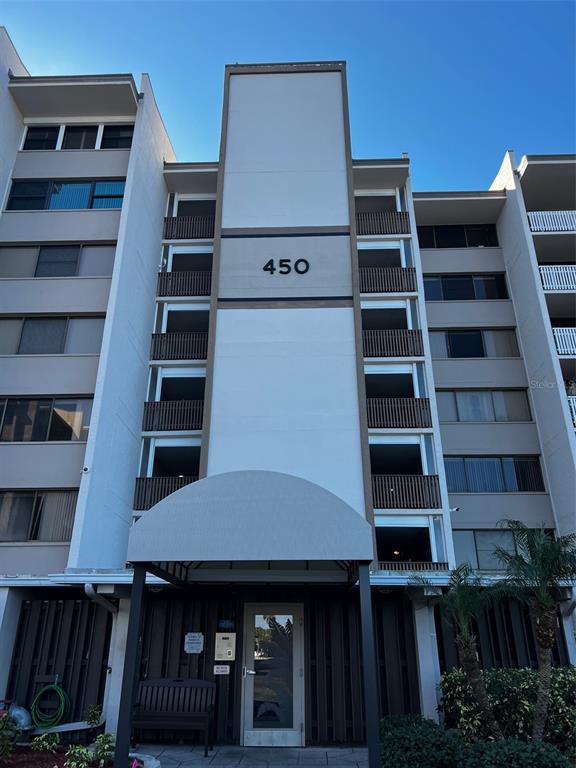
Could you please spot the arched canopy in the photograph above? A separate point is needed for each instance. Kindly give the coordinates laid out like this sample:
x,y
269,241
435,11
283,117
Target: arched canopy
x,y
250,516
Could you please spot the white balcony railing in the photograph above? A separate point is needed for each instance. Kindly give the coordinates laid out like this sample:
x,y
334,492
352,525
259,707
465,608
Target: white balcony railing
x,y
565,341
559,278
572,406
552,221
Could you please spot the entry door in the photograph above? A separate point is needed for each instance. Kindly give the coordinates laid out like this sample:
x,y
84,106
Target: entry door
x,y
273,676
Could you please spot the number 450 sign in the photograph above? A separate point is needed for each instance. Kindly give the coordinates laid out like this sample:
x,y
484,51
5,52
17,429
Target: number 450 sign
x,y
285,266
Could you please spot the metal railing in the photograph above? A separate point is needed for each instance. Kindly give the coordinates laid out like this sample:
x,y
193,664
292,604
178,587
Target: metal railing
x,y
151,490
565,339
189,227
387,279
409,566
184,283
172,415
572,407
181,345
396,342
406,491
398,412
382,223
558,278
552,221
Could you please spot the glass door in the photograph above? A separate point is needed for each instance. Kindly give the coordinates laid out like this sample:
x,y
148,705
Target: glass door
x,y
273,676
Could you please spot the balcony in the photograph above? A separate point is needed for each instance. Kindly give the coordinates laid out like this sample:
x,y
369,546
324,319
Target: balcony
x,y
172,415
188,283
189,227
552,221
398,412
387,279
394,342
572,406
382,223
561,277
181,345
565,339
395,566
151,490
406,491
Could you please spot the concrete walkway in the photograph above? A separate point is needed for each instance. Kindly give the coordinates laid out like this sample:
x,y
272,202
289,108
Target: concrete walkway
x,y
182,756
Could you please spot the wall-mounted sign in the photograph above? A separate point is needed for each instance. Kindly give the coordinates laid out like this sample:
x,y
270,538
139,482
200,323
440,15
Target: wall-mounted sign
x,y
221,669
225,647
193,642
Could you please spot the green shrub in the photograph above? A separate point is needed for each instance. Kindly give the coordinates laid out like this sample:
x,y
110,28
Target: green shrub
x,y
77,757
512,693
46,742
93,715
8,732
104,749
413,742
512,753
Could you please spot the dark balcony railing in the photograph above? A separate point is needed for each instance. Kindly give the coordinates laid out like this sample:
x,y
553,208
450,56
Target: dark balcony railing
x,y
188,227
396,342
151,490
184,283
406,491
398,412
383,223
172,415
191,345
411,566
387,279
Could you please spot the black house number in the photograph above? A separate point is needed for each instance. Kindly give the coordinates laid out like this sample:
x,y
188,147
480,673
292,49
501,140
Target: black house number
x,y
285,266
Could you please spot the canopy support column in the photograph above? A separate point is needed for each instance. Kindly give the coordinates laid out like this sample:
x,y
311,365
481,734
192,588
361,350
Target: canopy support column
x,y
129,675
369,668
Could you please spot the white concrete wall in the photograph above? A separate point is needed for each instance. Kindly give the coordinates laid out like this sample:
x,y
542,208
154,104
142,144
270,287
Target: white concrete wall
x,y
53,295
285,151
285,397
59,374
548,396
104,509
11,124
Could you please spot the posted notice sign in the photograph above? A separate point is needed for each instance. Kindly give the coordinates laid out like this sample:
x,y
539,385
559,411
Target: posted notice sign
x,y
193,642
221,669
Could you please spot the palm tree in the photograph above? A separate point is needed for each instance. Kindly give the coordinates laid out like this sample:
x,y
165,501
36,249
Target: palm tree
x,y
461,605
535,574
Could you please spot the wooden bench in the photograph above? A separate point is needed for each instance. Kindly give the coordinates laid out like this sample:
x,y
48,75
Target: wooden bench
x,y
176,704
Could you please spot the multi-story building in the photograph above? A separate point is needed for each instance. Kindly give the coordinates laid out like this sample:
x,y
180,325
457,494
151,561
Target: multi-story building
x,y
275,386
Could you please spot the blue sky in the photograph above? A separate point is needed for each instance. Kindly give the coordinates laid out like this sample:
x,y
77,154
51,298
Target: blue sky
x,y
454,84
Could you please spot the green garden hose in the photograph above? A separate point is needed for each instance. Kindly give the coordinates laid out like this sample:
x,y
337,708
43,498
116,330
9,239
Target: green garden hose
x,y
42,719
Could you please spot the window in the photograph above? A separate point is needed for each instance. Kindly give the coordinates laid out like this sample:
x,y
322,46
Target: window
x,y
464,287
28,195
477,547
458,236
41,137
117,137
493,474
51,335
37,515
32,420
65,195
471,405
473,343
57,261
42,336
80,137
108,194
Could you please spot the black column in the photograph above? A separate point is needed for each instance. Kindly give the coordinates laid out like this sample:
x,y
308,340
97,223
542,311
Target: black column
x,y
130,668
369,669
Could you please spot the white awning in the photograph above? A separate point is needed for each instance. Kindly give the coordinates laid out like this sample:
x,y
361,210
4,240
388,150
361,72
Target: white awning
x,y
250,516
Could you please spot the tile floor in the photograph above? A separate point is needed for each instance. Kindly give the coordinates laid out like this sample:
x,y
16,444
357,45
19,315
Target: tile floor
x,y
183,756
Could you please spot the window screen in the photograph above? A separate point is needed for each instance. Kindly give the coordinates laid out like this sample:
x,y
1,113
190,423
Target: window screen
x,y
84,335
80,137
16,511
10,332
57,261
96,261
42,336
465,548
42,137
117,137
446,406
501,343
486,543
475,406
70,195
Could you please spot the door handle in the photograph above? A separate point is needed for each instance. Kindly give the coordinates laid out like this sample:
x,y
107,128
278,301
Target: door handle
x,y
246,671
